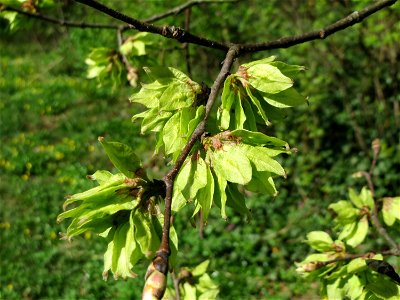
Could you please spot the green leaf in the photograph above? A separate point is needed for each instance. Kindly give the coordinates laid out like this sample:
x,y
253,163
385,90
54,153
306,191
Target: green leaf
x,y
284,99
334,289
175,132
196,120
220,197
121,266
122,157
240,116
262,182
255,99
356,265
176,96
191,178
228,99
262,161
259,139
359,234
319,240
348,230
189,291
145,234
250,122
101,176
201,268
261,61
346,213
205,195
288,70
384,289
149,94
391,210
267,78
355,199
366,198
231,163
353,288
236,200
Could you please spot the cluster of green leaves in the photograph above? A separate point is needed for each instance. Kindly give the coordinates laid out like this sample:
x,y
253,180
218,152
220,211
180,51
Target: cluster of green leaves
x,y
107,64
237,154
173,110
257,93
194,283
123,209
364,277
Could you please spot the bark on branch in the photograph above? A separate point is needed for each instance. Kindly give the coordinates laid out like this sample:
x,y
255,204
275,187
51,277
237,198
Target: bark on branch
x,y
183,36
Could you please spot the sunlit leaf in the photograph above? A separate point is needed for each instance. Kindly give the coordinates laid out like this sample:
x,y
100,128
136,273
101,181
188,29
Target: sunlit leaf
x,y
359,234
231,163
319,240
284,99
122,157
267,78
205,195
258,138
201,268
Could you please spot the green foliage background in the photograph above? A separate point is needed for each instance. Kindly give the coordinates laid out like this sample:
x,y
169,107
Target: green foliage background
x,y
51,116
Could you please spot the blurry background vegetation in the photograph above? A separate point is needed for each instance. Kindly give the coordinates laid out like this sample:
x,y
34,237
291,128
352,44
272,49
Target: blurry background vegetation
x,y
51,116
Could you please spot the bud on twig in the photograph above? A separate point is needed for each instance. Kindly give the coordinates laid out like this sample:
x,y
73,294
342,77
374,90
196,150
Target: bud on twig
x,y
156,282
376,147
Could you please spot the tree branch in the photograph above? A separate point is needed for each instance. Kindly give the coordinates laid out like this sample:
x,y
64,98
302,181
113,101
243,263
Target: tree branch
x,y
348,257
374,215
58,21
164,250
186,37
171,32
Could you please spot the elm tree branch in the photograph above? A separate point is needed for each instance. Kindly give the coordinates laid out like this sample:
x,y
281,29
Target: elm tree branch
x,y
183,36
57,21
171,32
349,256
164,250
174,11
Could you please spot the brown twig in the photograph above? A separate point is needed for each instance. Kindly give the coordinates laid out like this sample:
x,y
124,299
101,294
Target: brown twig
x,y
176,281
164,250
60,22
374,216
183,36
347,257
132,71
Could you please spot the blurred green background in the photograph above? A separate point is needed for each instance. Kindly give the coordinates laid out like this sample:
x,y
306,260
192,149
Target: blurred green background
x,y
51,116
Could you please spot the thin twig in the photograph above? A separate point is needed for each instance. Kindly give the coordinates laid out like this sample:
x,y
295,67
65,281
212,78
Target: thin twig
x,y
164,249
176,280
374,216
347,257
58,21
183,36
132,71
